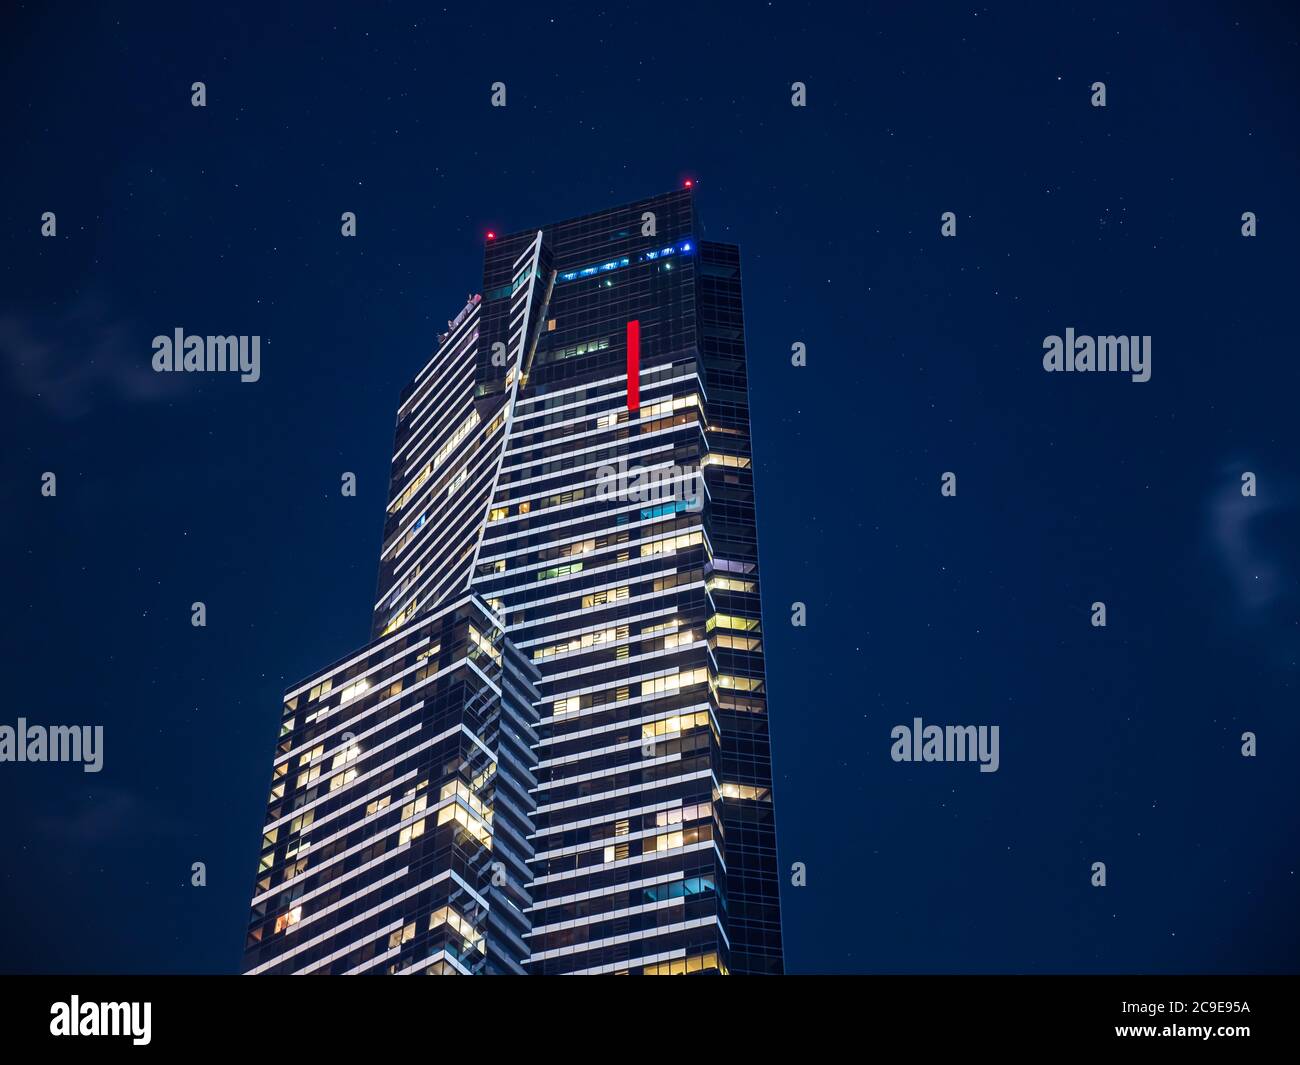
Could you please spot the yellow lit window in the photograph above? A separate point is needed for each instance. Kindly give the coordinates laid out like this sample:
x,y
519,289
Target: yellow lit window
x,y
734,461
670,545
676,723
730,584
343,779
731,621
605,595
410,832
737,643
746,791
740,684
465,428
401,501
682,966
673,681
484,645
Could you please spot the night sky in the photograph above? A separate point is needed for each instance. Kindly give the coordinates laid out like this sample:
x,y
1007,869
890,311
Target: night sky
x,y
1118,744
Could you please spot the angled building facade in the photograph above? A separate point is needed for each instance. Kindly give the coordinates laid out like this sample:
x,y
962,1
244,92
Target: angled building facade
x,y
567,661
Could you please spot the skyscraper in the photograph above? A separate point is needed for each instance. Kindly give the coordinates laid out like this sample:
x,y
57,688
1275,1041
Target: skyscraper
x,y
554,755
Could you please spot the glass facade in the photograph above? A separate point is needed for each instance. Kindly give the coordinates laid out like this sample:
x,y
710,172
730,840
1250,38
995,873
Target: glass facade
x,y
572,472
396,830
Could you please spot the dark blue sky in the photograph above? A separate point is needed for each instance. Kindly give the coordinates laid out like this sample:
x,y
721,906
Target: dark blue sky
x,y
1118,745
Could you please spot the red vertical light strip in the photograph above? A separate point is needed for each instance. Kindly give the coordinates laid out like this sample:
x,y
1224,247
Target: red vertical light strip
x,y
633,365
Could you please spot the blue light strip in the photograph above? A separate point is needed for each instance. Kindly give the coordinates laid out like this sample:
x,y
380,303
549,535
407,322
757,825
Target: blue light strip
x,y
682,247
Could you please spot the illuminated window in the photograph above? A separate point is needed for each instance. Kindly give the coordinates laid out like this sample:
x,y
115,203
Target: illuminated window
x,y
606,595
731,621
402,935
670,545
465,793
677,723
730,584
560,571
716,459
476,829
401,501
582,547
664,510
668,841
465,428
684,813
343,779
353,690
737,643
673,681
740,684
668,406
410,832
484,645
746,791
586,639
682,966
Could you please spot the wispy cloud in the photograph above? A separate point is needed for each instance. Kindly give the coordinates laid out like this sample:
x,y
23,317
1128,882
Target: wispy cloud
x,y
107,815
1238,533
79,359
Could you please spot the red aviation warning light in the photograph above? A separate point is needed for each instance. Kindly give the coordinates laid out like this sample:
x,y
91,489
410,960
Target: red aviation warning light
x,y
634,365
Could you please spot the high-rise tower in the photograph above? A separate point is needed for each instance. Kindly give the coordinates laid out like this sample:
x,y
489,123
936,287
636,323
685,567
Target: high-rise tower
x,y
566,687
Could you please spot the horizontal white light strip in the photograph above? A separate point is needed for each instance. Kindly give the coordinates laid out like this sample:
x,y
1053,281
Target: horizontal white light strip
x,y
605,796
662,880
647,933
